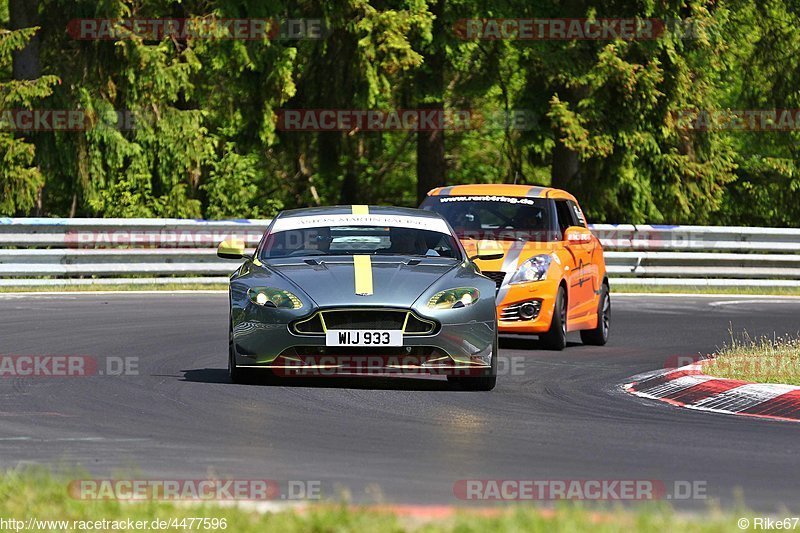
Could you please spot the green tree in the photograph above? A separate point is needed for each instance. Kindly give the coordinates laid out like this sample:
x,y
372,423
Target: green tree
x,y
20,178
204,140
764,74
610,108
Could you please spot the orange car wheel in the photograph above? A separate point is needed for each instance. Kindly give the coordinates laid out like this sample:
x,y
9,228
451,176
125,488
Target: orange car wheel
x,y
556,336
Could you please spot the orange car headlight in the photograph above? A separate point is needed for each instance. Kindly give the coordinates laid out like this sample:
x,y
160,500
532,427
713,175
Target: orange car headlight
x,y
534,269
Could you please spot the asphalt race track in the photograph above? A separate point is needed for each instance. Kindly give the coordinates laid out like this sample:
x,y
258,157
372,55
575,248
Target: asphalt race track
x,y
552,415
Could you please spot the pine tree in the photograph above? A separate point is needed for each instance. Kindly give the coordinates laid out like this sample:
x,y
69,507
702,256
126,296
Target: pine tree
x,y
20,178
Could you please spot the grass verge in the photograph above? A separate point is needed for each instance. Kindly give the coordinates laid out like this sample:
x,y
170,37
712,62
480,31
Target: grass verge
x,y
621,288
616,288
127,287
761,360
37,494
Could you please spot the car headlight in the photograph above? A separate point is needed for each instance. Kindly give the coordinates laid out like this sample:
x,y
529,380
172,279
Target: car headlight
x,y
454,298
272,297
534,269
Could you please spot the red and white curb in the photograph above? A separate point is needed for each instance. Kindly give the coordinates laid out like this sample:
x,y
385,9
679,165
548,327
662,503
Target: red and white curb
x,y
688,387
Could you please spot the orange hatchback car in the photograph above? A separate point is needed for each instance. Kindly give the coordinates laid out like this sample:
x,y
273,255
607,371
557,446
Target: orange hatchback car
x,y
552,276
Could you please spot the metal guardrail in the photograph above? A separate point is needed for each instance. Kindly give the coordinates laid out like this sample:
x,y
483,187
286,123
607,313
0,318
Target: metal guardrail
x,y
701,255
56,251
48,251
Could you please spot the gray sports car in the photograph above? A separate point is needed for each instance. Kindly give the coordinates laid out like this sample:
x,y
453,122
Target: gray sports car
x,y
361,290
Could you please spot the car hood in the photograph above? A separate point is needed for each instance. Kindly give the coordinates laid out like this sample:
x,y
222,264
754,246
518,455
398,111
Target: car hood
x,y
396,281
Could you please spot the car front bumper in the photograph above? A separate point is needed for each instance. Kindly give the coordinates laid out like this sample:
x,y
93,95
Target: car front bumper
x,y
543,293
265,338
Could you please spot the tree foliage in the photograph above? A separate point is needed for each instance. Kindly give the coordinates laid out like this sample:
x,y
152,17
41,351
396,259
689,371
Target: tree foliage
x,y
204,140
20,179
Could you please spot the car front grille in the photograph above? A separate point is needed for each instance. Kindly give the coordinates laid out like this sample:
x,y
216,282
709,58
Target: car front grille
x,y
497,277
371,319
364,319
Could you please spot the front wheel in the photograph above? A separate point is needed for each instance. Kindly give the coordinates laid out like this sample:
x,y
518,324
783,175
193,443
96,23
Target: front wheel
x,y
556,336
599,335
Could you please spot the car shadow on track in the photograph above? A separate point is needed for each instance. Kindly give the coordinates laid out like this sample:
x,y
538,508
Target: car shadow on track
x,y
526,342
220,376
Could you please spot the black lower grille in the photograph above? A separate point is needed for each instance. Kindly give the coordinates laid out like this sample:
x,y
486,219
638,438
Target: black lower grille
x,y
364,319
497,277
372,319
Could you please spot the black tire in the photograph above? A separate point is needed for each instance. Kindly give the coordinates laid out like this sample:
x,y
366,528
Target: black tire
x,y
480,383
599,335
556,336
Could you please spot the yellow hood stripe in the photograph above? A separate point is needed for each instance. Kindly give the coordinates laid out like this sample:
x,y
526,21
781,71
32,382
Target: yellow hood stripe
x,y
363,272
362,263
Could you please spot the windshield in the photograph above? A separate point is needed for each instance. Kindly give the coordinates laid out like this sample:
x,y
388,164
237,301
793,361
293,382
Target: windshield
x,y
499,217
352,240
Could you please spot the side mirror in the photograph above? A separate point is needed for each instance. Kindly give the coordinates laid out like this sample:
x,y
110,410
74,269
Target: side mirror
x,y
578,235
231,249
487,257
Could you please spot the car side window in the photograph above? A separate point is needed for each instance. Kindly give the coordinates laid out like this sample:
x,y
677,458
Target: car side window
x,y
263,242
566,216
577,213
